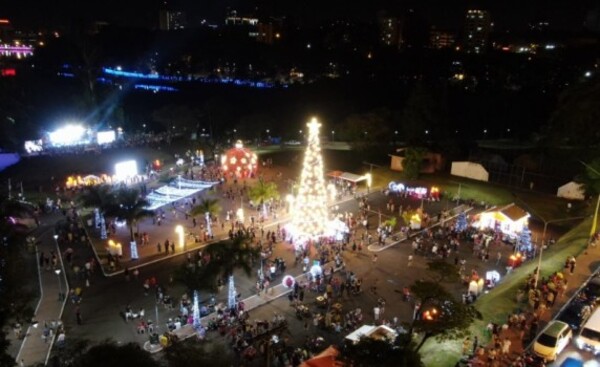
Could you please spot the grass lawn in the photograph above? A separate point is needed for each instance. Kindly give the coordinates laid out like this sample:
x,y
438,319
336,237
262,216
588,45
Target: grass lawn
x,y
496,305
547,207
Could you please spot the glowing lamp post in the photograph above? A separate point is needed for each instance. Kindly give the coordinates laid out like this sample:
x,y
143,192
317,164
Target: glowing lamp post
x,y
179,231
290,200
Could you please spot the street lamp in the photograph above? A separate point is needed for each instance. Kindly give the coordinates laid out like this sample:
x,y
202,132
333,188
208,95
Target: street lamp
x,y
179,231
546,222
60,292
332,135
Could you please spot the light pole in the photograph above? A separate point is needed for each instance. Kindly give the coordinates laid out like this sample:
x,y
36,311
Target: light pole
x,y
179,231
60,292
546,222
57,272
332,135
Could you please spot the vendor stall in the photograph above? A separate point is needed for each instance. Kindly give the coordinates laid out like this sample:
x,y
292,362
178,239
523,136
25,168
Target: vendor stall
x,y
509,219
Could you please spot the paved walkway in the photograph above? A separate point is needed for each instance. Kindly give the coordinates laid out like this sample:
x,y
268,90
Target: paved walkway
x,y
402,236
34,348
587,264
149,254
250,303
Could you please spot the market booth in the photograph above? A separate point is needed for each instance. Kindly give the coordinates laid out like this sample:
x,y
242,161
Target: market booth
x,y
326,358
509,219
380,332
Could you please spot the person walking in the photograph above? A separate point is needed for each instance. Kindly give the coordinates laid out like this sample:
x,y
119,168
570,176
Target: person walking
x,y
78,315
158,248
173,247
506,347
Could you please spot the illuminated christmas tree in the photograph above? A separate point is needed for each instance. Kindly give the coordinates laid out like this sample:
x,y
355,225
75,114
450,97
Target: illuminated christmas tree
x,y
524,241
196,312
461,222
232,295
103,234
310,206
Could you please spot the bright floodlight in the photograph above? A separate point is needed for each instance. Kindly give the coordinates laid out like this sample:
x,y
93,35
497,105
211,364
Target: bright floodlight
x,y
125,170
67,135
105,137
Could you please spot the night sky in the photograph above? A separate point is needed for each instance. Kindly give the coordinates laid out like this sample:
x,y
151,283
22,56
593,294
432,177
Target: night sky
x,y
512,14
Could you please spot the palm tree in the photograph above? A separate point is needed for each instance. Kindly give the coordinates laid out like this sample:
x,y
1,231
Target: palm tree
x,y
591,182
130,206
263,191
100,196
208,208
225,257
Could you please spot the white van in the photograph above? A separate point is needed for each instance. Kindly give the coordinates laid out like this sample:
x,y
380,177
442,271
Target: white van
x,y
589,336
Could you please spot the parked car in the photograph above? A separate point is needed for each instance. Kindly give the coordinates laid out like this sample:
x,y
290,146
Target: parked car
x,y
589,336
552,340
576,313
592,289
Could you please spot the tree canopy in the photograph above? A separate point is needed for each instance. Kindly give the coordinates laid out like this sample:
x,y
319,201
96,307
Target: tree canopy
x,y
590,178
263,191
376,352
190,353
207,205
130,206
413,160
575,118
80,353
448,317
224,258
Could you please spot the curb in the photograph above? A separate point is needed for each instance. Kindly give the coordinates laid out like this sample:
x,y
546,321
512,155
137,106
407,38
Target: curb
x,y
377,248
141,265
154,348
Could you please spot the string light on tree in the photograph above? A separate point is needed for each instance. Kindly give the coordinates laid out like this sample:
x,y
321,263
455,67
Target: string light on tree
x,y
310,206
232,294
196,312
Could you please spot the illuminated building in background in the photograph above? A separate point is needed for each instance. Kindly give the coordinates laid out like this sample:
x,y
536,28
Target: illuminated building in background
x,y
234,19
477,31
439,39
172,20
390,31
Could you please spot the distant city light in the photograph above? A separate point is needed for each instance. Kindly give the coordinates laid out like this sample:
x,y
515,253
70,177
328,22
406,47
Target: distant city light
x,y
588,74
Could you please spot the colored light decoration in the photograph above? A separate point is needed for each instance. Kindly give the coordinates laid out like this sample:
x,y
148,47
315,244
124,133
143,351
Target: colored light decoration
x,y
103,234
240,161
435,193
461,222
415,221
430,315
231,294
196,312
288,281
309,217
